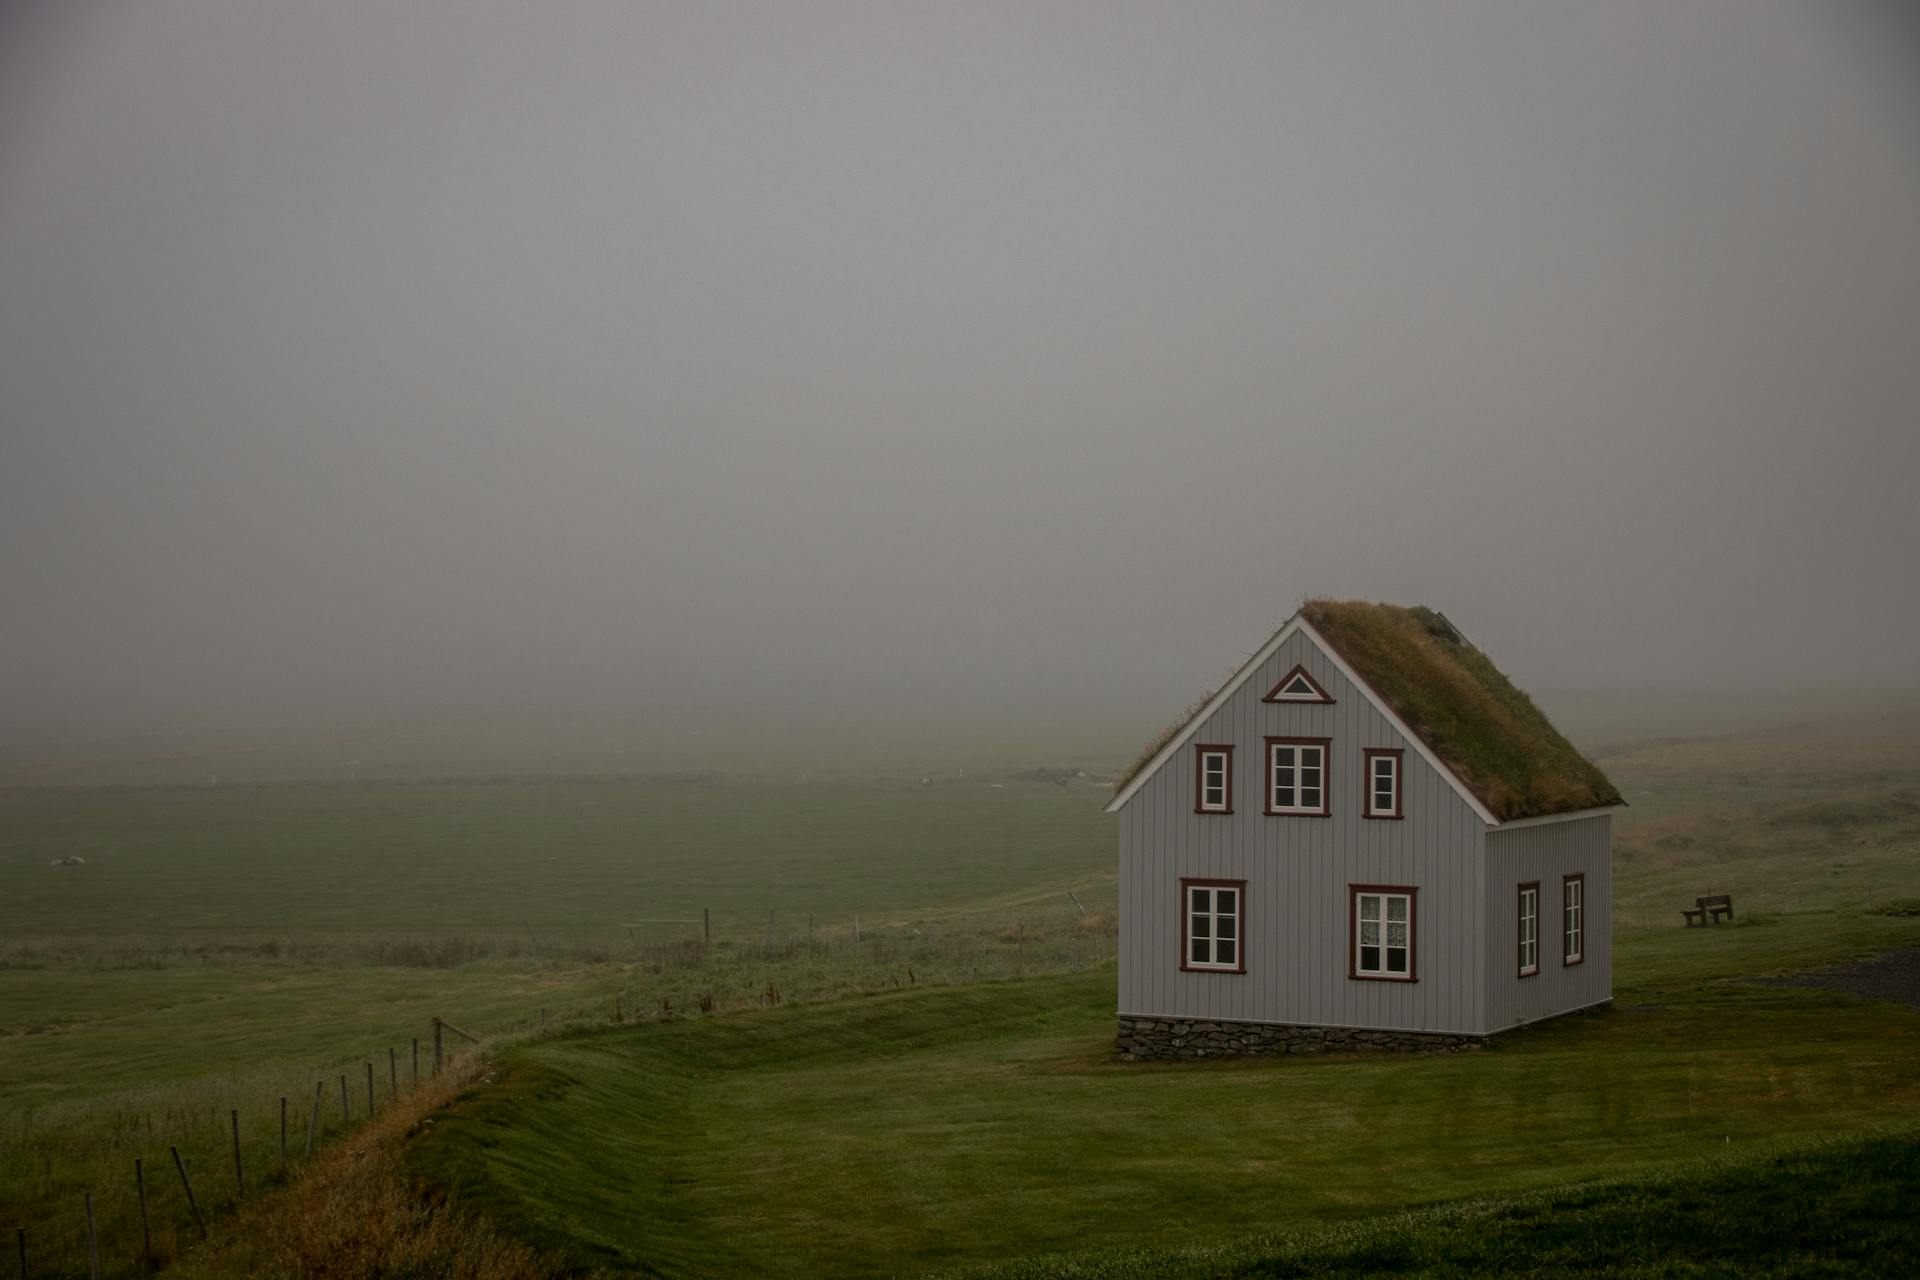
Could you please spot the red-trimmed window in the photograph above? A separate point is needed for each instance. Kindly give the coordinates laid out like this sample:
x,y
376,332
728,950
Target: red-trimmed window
x,y
1573,919
1298,685
1297,777
1213,779
1212,915
1382,919
1382,773
1529,928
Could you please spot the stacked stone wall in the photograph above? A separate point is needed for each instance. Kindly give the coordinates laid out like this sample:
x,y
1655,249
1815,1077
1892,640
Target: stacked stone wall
x,y
1141,1039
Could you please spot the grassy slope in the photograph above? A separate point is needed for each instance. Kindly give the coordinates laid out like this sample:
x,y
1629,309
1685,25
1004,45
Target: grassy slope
x,y
938,1128
1839,1208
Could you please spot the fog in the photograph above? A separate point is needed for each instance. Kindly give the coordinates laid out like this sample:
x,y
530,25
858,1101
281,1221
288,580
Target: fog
x,y
371,360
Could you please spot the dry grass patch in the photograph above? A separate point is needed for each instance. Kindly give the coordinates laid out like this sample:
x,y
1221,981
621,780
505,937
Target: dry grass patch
x,y
354,1214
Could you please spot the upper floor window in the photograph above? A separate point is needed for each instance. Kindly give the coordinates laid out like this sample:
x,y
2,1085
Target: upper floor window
x,y
1382,922
1213,779
1573,919
1529,929
1383,782
1297,776
1210,925
1298,685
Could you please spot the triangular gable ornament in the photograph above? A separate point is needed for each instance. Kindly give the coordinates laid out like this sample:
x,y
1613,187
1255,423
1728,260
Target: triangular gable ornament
x,y
1298,685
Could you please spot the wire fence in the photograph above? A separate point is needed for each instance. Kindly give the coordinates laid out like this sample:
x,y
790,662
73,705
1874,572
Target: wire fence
x,y
153,1174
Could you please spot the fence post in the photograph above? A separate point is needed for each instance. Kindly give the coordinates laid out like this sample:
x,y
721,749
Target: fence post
x,y
93,1243
146,1228
856,926
416,1062
23,1252
239,1178
187,1182
439,1049
369,1088
346,1109
706,924
313,1121
283,1128
393,1072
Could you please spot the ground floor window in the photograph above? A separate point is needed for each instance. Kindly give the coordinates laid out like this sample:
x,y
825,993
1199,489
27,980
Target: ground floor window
x,y
1573,919
1383,931
1211,921
1529,929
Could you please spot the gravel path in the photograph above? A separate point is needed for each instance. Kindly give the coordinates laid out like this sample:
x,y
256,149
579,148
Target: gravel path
x,y
1894,976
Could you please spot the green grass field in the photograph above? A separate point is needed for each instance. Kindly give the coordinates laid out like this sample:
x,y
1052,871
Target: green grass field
x,y
226,945
934,1129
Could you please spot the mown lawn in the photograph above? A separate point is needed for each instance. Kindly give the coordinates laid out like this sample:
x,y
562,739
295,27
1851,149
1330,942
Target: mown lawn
x,y
933,1129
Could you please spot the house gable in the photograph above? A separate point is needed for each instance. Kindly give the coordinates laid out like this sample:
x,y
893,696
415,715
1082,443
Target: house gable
x,y
1179,741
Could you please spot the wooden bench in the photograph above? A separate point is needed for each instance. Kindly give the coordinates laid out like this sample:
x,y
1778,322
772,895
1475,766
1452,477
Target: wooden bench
x,y
1710,910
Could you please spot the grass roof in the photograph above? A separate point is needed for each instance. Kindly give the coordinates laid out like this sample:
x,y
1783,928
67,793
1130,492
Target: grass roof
x,y
1499,745
1490,734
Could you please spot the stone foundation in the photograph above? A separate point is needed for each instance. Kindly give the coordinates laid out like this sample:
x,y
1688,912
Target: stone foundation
x,y
1144,1038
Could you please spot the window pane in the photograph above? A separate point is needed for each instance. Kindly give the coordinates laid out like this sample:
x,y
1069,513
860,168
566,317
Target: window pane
x,y
1397,909
1283,798
1199,954
1369,933
1309,796
1224,926
1224,901
1369,906
1202,899
1396,934
1202,926
1396,959
1225,953
1283,758
1370,959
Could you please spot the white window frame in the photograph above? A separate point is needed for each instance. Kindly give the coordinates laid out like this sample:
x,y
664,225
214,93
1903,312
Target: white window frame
x,y
1573,919
1213,916
1202,787
1528,923
1373,758
1296,774
1383,898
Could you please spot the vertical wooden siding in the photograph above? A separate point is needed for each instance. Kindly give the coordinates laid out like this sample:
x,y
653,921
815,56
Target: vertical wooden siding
x,y
1548,853
1297,871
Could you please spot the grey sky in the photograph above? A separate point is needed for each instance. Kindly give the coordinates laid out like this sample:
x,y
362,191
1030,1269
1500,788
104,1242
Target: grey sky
x,y
361,359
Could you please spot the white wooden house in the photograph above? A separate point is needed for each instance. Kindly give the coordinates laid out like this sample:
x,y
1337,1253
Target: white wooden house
x,y
1368,837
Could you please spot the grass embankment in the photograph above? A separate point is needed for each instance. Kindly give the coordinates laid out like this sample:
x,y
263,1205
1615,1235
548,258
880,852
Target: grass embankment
x,y
935,1129
163,1056
224,947
1839,1208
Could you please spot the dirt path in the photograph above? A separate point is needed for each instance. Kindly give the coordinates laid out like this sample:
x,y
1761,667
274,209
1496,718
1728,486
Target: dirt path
x,y
1894,976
